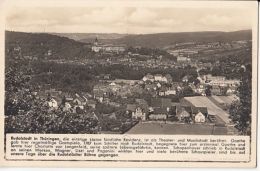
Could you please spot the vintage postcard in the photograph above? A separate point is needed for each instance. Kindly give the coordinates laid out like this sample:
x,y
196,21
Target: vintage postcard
x,y
128,83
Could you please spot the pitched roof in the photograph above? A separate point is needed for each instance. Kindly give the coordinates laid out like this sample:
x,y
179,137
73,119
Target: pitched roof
x,y
149,76
203,110
184,113
187,109
158,75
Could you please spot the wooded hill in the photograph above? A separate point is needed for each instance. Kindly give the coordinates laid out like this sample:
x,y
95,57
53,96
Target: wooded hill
x,y
161,40
38,44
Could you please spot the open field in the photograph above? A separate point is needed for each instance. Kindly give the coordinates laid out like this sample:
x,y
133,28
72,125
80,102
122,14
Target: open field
x,y
172,129
213,109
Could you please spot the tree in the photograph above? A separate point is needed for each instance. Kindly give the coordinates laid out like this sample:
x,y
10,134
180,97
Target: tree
x,y
240,111
208,90
24,113
187,91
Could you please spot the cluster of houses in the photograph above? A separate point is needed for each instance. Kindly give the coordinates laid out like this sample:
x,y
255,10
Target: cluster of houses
x,y
155,85
103,91
219,85
160,107
73,103
157,78
161,85
164,109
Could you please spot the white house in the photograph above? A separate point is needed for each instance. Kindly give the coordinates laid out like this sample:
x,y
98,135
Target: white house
x,y
164,79
183,59
67,106
148,77
52,103
159,114
170,92
139,114
158,77
200,118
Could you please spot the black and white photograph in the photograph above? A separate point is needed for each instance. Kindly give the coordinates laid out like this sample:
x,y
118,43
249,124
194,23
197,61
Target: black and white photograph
x,y
111,83
128,70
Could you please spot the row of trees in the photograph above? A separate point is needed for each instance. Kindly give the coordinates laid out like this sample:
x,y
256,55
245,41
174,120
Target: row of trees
x,y
240,111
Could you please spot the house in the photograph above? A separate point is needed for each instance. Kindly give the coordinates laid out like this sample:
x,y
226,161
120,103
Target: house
x,y
52,103
231,90
66,107
216,90
159,114
203,110
150,87
91,103
200,118
92,115
185,79
159,108
139,114
99,95
162,91
183,59
158,77
78,100
200,114
137,111
114,87
107,77
148,77
184,113
130,108
170,91
164,79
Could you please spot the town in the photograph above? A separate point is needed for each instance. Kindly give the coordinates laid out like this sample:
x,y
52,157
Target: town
x,y
186,88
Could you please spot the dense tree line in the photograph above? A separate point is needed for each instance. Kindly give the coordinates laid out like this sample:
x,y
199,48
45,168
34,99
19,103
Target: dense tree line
x,y
240,111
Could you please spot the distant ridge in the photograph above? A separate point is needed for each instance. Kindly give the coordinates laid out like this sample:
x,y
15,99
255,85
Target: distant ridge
x,y
160,40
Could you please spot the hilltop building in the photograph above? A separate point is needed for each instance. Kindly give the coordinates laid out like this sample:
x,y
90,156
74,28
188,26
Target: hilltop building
x,y
98,47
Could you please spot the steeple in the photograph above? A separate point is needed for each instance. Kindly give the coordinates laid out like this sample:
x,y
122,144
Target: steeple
x,y
96,42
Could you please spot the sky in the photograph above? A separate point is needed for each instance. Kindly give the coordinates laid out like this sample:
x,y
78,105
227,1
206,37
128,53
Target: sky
x,y
132,20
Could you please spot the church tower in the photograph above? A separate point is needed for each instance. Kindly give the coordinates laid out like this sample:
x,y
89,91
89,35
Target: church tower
x,y
96,42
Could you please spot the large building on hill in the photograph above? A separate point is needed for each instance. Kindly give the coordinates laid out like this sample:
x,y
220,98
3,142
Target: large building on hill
x,y
98,47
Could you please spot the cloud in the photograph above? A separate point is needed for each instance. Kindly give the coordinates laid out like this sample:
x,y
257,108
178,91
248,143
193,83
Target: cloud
x,y
106,15
126,19
215,20
142,16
